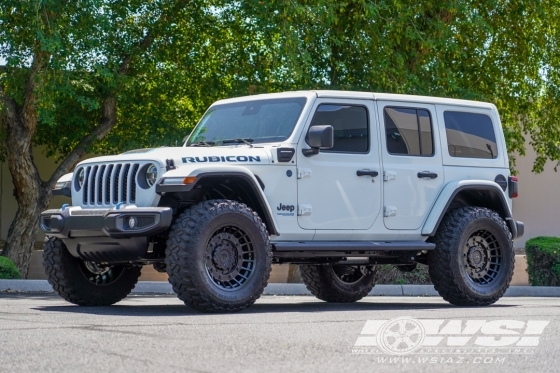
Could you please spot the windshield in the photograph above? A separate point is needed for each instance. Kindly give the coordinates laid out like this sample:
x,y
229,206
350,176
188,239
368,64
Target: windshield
x,y
258,121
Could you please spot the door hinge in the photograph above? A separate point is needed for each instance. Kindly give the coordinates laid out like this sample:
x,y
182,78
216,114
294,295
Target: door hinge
x,y
304,210
303,172
389,211
389,175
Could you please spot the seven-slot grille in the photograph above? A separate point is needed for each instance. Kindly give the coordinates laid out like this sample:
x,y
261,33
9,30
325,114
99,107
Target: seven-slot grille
x,y
109,184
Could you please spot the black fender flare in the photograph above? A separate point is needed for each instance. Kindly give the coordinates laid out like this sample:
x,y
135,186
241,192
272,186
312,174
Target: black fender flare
x,y
252,182
497,199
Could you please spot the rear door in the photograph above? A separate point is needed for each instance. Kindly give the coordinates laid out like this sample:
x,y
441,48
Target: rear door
x,y
412,161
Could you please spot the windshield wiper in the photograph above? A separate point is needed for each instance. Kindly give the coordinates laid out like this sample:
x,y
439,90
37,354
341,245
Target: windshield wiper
x,y
203,143
238,141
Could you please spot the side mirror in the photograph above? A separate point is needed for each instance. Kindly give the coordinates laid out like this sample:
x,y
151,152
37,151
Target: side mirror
x,y
319,137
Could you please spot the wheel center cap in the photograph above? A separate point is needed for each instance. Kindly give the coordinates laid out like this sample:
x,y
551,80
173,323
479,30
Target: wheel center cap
x,y
476,257
224,256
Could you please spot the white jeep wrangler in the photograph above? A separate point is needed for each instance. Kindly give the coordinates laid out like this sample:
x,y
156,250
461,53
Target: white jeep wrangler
x,y
337,182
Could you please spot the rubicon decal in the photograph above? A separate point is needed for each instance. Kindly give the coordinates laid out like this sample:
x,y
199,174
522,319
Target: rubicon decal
x,y
227,158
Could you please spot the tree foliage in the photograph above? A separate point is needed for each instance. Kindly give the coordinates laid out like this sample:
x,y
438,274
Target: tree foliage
x,y
151,56
79,70
501,51
104,76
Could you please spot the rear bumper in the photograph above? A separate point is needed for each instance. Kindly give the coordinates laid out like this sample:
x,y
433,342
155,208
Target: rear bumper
x,y
520,229
517,228
127,222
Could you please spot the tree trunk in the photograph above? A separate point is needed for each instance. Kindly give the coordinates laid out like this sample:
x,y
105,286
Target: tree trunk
x,y
24,229
31,194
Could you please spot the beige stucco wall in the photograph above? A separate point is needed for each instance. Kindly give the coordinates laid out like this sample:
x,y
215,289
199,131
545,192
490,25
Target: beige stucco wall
x,y
538,205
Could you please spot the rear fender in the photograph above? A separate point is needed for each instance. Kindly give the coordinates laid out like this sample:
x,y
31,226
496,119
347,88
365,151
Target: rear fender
x,y
489,194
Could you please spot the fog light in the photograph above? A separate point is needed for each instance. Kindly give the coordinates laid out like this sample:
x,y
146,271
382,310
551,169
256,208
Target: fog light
x,y
132,222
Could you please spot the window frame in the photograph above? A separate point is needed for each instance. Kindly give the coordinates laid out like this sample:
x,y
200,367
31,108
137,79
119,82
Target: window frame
x,y
470,112
368,128
419,131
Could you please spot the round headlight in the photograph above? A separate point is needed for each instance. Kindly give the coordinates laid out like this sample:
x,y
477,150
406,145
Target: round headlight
x,y
151,175
81,176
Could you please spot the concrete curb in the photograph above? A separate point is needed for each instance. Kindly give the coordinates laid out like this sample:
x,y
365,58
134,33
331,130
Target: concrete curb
x,y
158,287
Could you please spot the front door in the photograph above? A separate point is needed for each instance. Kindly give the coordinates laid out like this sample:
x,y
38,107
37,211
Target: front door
x,y
412,160
338,188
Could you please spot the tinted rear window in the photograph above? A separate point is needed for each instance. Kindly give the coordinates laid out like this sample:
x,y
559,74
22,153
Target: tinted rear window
x,y
408,131
470,135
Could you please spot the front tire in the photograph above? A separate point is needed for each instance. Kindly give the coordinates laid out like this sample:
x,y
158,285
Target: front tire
x,y
85,283
218,256
338,284
472,264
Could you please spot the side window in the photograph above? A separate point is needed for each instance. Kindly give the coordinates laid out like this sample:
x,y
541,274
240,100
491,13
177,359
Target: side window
x,y
408,131
470,135
350,124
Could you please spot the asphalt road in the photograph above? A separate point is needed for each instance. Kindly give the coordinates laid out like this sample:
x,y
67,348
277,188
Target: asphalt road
x,y
42,333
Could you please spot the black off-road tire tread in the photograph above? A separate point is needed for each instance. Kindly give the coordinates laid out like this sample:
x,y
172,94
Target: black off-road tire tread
x,y
319,281
56,261
183,236
447,239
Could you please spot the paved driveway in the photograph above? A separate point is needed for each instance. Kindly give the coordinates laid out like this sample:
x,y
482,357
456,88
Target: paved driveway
x,y
41,332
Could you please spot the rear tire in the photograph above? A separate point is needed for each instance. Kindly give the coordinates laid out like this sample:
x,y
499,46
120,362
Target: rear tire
x,y
473,261
218,256
338,284
84,283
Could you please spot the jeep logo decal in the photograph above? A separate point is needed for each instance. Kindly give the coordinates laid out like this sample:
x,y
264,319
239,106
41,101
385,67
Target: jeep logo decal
x,y
229,158
289,208
285,210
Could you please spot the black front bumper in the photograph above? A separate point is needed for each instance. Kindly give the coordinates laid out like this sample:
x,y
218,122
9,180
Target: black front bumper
x,y
74,222
107,236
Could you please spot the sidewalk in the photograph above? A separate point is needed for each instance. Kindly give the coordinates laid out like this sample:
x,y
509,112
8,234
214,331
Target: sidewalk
x,y
158,287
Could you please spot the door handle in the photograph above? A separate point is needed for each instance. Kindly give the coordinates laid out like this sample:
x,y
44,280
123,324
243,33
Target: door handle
x,y
423,174
367,173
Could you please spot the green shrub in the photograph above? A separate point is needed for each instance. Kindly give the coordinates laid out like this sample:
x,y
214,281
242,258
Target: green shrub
x,y
8,270
543,261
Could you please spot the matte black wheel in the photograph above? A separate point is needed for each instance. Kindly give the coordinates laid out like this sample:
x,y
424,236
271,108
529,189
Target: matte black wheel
x,y
338,284
473,262
218,256
86,283
230,258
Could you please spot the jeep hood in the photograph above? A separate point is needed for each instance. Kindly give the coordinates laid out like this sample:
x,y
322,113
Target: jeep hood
x,y
190,155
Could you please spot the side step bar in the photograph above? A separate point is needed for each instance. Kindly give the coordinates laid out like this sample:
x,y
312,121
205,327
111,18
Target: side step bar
x,y
336,248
